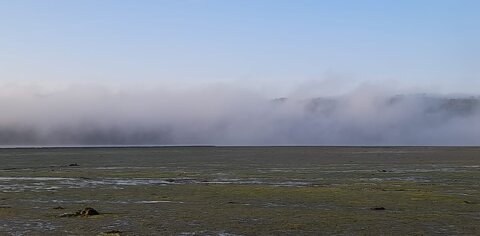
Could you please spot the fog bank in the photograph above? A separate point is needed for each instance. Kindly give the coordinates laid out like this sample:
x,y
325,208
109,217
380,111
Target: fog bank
x,y
226,115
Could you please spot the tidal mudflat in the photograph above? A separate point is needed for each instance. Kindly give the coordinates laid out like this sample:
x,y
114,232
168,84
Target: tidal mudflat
x,y
241,191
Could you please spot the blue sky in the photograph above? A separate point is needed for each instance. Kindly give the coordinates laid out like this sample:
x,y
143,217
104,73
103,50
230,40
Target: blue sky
x,y
434,45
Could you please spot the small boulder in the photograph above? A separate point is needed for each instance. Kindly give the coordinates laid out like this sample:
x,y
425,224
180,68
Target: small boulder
x,y
88,211
377,208
111,233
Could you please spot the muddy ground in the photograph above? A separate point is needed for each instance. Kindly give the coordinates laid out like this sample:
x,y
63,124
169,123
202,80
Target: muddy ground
x,y
241,191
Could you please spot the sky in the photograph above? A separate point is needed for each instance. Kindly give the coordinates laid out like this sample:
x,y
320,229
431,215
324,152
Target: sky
x,y
71,66
431,45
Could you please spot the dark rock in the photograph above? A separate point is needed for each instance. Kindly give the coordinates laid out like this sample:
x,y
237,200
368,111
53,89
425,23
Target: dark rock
x,y
112,233
58,208
88,211
377,208
74,164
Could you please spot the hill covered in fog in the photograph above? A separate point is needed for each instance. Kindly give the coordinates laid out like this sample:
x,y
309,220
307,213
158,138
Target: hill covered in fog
x,y
453,106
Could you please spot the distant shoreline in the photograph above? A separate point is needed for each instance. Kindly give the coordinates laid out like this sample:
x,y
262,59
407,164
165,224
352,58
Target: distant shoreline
x,y
229,146
95,146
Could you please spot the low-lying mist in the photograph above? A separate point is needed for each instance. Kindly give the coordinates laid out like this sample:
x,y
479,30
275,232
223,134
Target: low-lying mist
x,y
225,115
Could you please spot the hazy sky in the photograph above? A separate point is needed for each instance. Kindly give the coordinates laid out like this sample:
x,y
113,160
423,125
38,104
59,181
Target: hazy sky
x,y
271,45
207,72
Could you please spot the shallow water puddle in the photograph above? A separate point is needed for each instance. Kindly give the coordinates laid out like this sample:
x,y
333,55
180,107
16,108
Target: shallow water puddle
x,y
20,184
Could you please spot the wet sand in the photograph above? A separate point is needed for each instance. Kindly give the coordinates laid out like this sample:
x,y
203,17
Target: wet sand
x,y
241,190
